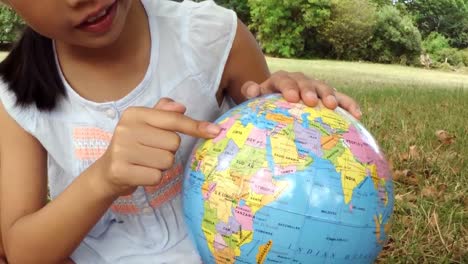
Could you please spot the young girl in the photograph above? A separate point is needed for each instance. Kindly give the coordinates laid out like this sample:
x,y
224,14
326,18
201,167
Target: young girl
x,y
85,112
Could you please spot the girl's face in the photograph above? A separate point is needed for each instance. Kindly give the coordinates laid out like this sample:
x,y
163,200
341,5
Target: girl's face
x,y
86,23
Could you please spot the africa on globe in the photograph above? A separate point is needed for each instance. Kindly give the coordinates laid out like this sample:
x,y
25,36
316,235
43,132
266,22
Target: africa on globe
x,y
288,183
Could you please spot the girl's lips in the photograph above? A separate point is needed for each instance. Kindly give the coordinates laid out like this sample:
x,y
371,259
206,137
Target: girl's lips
x,y
100,24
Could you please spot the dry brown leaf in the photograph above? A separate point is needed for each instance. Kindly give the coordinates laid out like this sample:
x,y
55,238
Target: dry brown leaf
x,y
431,160
407,220
407,173
412,180
445,137
407,197
390,163
427,173
459,252
414,152
430,192
433,219
397,175
456,170
390,245
404,156
406,177
442,188
399,197
411,198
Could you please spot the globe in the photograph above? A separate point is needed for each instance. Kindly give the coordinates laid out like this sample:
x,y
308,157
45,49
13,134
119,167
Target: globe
x,y
287,183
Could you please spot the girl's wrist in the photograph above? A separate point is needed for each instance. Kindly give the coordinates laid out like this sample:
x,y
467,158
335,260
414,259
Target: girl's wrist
x,y
98,186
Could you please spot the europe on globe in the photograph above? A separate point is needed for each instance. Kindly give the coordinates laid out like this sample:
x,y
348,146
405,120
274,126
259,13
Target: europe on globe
x,y
288,183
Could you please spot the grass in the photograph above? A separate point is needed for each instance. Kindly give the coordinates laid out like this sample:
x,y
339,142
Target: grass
x,y
404,108
362,75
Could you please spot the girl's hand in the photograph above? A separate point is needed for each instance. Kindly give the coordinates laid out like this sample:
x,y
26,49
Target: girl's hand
x,y
297,86
144,145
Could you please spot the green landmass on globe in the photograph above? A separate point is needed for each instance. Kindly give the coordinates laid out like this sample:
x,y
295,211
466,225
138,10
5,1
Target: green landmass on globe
x,y
287,183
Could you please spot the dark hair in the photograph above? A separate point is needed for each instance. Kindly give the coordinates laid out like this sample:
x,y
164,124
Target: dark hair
x,y
31,73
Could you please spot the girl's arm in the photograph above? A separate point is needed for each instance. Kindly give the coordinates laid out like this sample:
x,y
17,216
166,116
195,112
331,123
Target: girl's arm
x,y
35,231
39,232
246,63
246,75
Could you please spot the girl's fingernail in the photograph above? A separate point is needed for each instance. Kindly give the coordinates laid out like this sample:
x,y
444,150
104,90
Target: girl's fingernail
x,y
359,112
311,95
332,98
213,129
252,92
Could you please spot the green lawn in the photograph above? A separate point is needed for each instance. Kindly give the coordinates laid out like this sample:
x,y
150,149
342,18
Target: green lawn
x,y
404,108
368,75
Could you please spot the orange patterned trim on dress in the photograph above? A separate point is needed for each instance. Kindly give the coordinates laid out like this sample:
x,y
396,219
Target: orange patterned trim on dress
x,y
90,142
125,205
169,187
167,176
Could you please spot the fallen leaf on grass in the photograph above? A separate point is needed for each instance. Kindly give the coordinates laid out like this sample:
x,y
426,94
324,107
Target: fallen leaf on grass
x,y
459,252
442,188
390,244
387,251
390,164
399,174
444,104
406,177
414,152
407,220
409,197
445,137
430,192
404,156
427,173
434,219
456,170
